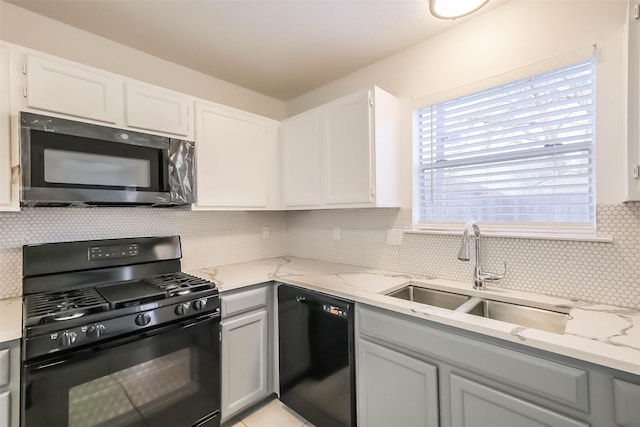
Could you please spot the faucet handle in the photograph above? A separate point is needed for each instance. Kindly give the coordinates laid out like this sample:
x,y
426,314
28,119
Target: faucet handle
x,y
493,277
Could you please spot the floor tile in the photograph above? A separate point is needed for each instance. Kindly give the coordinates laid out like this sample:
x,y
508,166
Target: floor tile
x,y
274,414
239,424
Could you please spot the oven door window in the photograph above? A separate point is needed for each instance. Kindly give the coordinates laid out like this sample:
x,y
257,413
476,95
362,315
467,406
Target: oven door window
x,y
65,161
170,379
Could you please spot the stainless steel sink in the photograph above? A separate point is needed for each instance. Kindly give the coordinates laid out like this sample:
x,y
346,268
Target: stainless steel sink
x,y
531,317
413,292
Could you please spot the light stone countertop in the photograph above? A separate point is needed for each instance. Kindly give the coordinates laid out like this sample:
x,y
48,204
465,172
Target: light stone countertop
x,y
601,334
10,319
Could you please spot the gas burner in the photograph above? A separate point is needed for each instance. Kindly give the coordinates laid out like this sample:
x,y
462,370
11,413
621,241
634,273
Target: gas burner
x,y
177,284
63,305
74,315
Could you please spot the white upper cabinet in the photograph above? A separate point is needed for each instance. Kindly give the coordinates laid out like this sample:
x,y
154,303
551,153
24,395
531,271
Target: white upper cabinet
x,y
74,90
300,154
235,167
151,108
68,89
342,154
633,103
348,150
7,202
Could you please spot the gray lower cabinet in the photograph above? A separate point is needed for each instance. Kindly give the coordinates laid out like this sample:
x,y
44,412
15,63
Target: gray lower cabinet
x,y
428,374
395,389
476,405
627,401
244,350
9,383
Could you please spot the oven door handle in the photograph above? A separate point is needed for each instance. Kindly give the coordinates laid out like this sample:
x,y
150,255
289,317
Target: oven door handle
x,y
56,361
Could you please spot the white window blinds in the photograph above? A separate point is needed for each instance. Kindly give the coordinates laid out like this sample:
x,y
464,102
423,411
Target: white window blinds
x,y
522,152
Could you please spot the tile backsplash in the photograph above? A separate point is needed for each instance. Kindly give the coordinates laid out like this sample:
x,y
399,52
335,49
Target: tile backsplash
x,y
593,271
208,238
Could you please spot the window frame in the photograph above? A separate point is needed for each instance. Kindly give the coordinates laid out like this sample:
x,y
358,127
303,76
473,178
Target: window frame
x,y
585,229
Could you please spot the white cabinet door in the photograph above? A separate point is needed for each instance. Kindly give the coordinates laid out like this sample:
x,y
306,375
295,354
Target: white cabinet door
x,y
231,155
73,90
5,132
348,150
244,361
300,153
155,109
633,103
395,389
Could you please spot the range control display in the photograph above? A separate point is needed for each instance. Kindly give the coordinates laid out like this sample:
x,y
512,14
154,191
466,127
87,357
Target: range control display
x,y
113,251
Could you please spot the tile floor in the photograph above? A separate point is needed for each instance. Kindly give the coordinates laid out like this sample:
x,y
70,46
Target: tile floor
x,y
273,414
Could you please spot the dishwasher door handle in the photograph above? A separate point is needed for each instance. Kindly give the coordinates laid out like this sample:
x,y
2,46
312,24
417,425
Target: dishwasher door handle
x,y
304,300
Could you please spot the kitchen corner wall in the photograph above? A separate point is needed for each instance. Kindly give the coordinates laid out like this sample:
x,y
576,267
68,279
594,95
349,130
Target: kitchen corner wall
x,y
208,238
593,271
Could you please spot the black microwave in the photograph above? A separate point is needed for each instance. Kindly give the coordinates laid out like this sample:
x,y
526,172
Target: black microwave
x,y
70,163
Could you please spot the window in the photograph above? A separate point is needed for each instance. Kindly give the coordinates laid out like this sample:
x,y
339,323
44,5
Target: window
x,y
520,154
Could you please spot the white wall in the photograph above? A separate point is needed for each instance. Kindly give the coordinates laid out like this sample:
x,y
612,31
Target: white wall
x,y
519,34
28,29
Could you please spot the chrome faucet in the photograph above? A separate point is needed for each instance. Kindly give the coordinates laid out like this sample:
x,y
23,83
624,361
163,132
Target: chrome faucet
x,y
479,276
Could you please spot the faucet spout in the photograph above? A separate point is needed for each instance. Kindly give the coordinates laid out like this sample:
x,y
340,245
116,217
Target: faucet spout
x,y
464,253
480,277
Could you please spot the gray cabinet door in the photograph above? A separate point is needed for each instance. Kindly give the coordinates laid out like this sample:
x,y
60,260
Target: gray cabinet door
x,y
627,403
244,361
395,389
5,410
476,405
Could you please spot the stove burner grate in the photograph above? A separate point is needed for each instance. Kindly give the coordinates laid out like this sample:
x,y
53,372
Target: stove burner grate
x,y
63,305
179,283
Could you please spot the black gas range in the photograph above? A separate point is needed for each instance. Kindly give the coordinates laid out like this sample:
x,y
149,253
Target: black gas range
x,y
115,324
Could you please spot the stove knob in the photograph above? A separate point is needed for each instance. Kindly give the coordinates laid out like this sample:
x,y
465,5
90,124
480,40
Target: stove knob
x,y
143,319
95,331
67,338
181,309
199,304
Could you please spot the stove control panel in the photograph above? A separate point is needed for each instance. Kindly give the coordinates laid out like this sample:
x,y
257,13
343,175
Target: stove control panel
x,y
92,332
113,251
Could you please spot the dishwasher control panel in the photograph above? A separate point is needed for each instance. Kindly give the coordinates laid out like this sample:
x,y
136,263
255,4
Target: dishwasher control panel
x,y
336,311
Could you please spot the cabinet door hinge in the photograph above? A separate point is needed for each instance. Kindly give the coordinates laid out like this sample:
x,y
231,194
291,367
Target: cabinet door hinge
x,y
220,336
24,68
371,101
24,91
636,171
636,13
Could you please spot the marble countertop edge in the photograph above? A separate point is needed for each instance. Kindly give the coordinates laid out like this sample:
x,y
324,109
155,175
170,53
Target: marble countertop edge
x,y
601,334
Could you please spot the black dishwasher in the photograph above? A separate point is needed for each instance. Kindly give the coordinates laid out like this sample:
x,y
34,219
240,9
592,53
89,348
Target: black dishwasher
x,y
317,369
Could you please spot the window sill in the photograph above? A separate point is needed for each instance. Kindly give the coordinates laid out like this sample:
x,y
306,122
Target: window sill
x,y
515,235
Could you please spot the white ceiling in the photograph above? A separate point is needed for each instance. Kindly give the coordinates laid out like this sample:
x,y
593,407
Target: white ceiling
x,y
281,48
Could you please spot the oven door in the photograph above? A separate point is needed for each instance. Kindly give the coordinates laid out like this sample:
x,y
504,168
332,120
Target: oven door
x,y
168,377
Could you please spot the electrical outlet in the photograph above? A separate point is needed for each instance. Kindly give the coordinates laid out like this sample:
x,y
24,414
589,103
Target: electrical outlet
x,y
336,233
394,236
266,233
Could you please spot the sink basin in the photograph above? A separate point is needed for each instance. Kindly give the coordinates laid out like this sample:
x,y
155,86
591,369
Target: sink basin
x,y
413,292
531,317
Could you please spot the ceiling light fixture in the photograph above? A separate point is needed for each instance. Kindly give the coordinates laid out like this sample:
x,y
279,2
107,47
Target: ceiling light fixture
x,y
452,9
